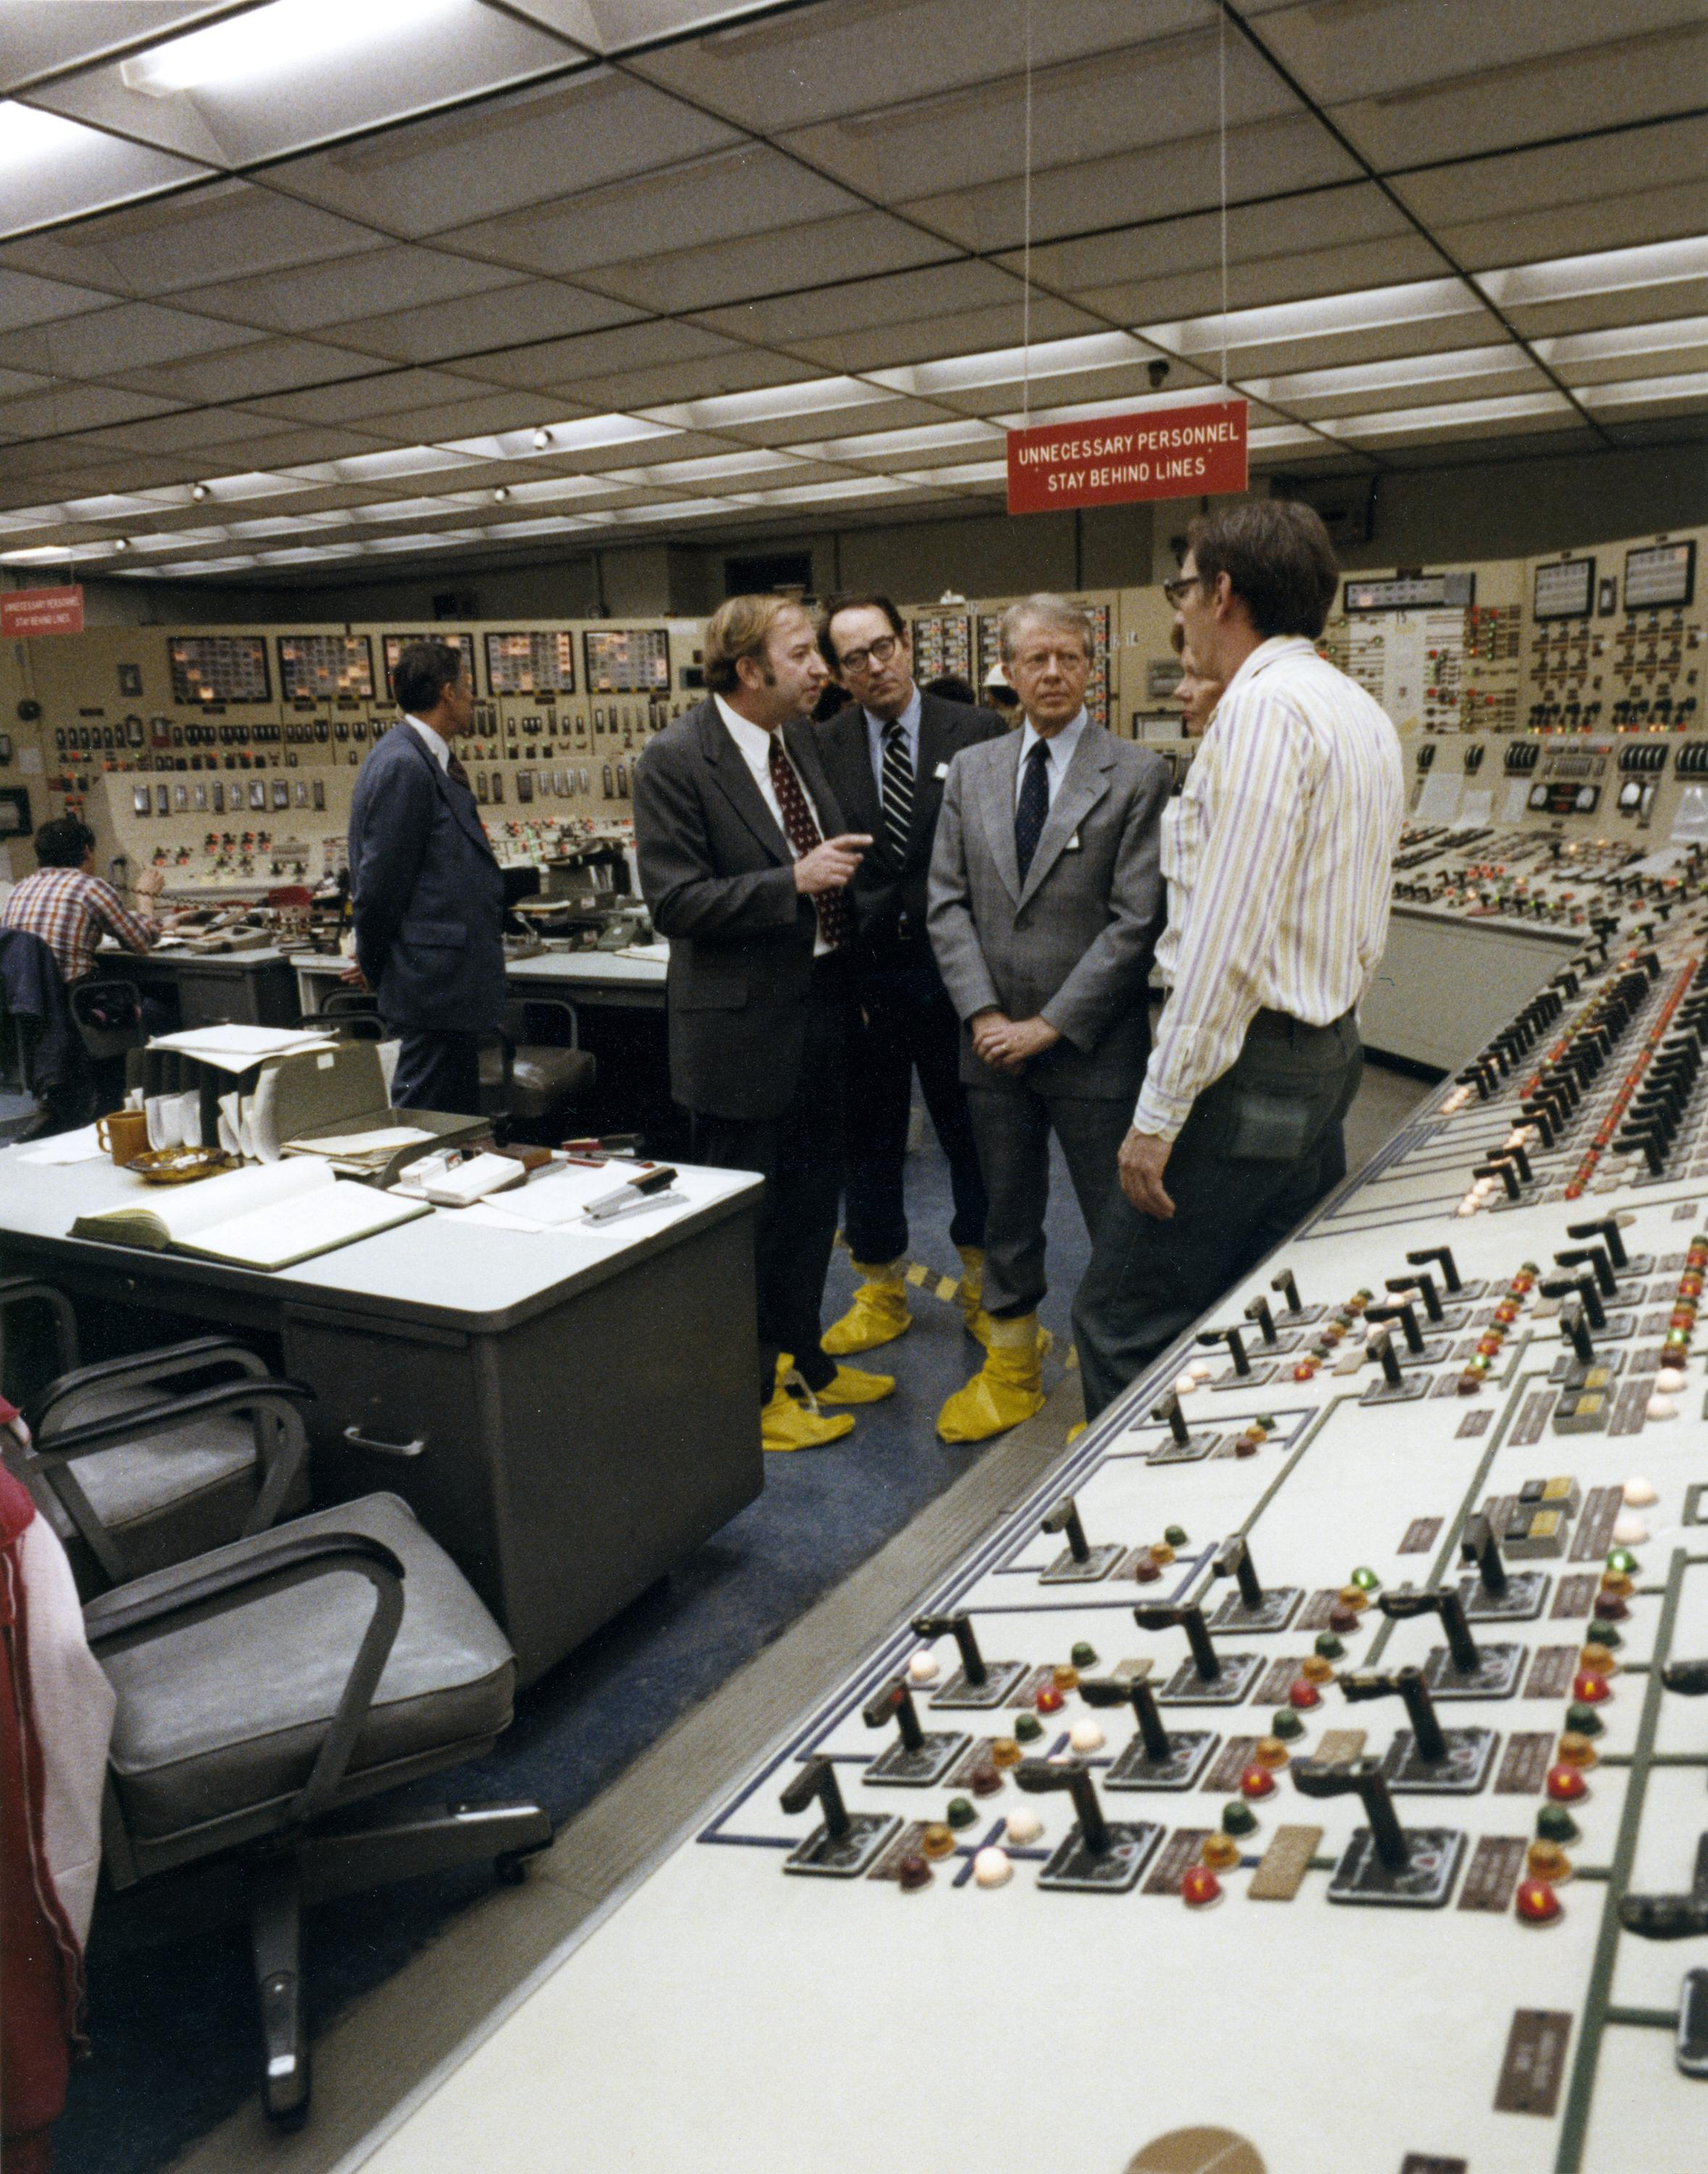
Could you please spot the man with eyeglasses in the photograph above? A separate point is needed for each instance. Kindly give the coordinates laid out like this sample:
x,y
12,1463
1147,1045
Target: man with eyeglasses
x,y
1045,891
1279,859
887,755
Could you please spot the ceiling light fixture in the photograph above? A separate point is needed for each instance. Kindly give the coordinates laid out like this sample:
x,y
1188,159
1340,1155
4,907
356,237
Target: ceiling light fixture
x,y
288,36
541,439
198,491
502,494
27,132
122,542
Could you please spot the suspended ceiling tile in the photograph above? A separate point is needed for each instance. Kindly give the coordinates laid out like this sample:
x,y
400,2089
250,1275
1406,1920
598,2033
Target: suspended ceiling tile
x,y
1665,157
376,284
1091,108
190,432
1519,378
943,289
41,35
1681,392
1269,280
1532,100
205,97
1610,358
292,449
1325,220
218,232
479,324
967,332
1524,413
484,412
58,169
12,382
832,421
74,408
248,373
737,370
1271,158
751,189
378,398
524,149
561,362
107,342
25,300
852,247
806,65
1634,306
612,26
1613,223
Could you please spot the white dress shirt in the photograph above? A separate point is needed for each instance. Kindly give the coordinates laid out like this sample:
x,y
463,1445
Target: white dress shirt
x,y
754,745
1061,746
437,745
1278,856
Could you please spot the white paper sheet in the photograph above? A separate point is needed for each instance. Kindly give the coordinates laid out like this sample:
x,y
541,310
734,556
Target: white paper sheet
x,y
66,1147
235,1048
1439,798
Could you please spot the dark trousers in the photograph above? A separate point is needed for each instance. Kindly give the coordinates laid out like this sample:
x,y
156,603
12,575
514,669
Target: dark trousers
x,y
1012,1122
1261,1146
799,1155
903,1023
438,1069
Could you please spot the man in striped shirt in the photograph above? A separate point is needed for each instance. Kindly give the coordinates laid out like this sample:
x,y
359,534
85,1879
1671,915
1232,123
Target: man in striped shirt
x,y
70,908
1278,856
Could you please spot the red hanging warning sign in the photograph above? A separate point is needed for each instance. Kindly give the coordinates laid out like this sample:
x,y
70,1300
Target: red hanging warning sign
x,y
42,611
1173,452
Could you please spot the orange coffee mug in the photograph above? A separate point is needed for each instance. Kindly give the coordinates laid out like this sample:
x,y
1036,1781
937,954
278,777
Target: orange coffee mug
x,y
124,1134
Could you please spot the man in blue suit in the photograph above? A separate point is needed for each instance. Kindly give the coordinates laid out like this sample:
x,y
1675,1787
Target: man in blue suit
x,y
428,896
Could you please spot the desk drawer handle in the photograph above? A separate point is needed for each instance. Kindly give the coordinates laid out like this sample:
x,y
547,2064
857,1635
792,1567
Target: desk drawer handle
x,y
359,1440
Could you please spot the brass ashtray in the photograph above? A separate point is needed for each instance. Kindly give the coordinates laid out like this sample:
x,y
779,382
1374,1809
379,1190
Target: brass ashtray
x,y
182,1165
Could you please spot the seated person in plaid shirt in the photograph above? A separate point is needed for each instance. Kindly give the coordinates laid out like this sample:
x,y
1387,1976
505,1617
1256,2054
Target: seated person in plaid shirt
x,y
69,906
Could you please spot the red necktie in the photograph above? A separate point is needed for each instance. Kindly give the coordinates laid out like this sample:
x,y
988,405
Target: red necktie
x,y
835,917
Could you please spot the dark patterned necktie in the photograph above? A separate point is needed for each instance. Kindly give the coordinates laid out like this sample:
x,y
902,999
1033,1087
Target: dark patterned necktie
x,y
835,917
1034,809
897,789
455,773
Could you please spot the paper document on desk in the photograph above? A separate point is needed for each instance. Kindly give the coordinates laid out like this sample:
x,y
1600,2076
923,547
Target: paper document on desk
x,y
558,1197
66,1147
236,1048
378,1146
655,954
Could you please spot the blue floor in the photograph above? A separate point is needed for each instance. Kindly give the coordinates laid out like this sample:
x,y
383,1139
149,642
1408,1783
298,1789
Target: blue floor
x,y
172,2025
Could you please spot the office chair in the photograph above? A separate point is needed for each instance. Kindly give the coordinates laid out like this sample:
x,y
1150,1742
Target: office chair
x,y
266,1689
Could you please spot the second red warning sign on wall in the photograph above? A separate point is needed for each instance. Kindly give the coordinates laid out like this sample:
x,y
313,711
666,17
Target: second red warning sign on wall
x,y
1175,452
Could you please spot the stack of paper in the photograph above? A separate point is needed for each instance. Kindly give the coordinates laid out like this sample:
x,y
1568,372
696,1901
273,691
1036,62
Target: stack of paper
x,y
238,1048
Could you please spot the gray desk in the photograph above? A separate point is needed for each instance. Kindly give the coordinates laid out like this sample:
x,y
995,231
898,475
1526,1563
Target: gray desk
x,y
571,1416
578,977
250,988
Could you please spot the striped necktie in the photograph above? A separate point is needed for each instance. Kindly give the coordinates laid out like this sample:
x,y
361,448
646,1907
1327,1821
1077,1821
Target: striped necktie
x,y
1034,809
897,790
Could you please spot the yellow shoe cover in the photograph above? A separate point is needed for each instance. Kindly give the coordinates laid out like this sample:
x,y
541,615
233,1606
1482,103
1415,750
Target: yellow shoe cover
x,y
1077,1429
878,1315
786,1424
853,1385
1005,1390
970,1297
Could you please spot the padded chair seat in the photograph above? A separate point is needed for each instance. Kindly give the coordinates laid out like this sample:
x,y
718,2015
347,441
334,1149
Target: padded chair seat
x,y
543,1076
134,1481
225,1716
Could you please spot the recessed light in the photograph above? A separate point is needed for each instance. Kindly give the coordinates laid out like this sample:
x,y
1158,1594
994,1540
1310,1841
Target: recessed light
x,y
122,542
502,493
198,491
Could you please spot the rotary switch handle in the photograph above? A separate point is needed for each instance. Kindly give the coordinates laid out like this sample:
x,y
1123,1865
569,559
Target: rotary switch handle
x,y
1407,1683
817,1778
894,1702
1478,1544
1436,1600
1233,1559
1064,1518
1362,1778
958,1626
1166,1615
1136,1692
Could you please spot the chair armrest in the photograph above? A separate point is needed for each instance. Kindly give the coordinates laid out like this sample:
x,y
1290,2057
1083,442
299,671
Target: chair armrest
x,y
117,1624
556,1004
30,1291
143,1366
48,1462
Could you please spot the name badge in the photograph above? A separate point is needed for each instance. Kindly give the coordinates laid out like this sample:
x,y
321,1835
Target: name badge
x,y
1073,844
941,771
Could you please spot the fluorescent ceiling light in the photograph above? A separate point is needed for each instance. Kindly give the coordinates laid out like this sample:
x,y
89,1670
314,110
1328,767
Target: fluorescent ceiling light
x,y
287,37
400,509
547,524
968,472
584,435
1607,272
1272,436
1690,384
900,445
233,489
287,524
47,554
548,488
1450,415
436,542
115,506
1322,317
26,132
185,539
188,566
680,509
762,460
380,467
1007,365
769,403
1464,362
1673,336
1092,411
302,553
827,494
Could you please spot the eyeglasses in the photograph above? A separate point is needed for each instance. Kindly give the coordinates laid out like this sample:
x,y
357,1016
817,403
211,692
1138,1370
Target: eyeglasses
x,y
878,652
1175,590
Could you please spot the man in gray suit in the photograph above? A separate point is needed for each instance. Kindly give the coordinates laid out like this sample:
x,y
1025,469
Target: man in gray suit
x,y
1046,892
